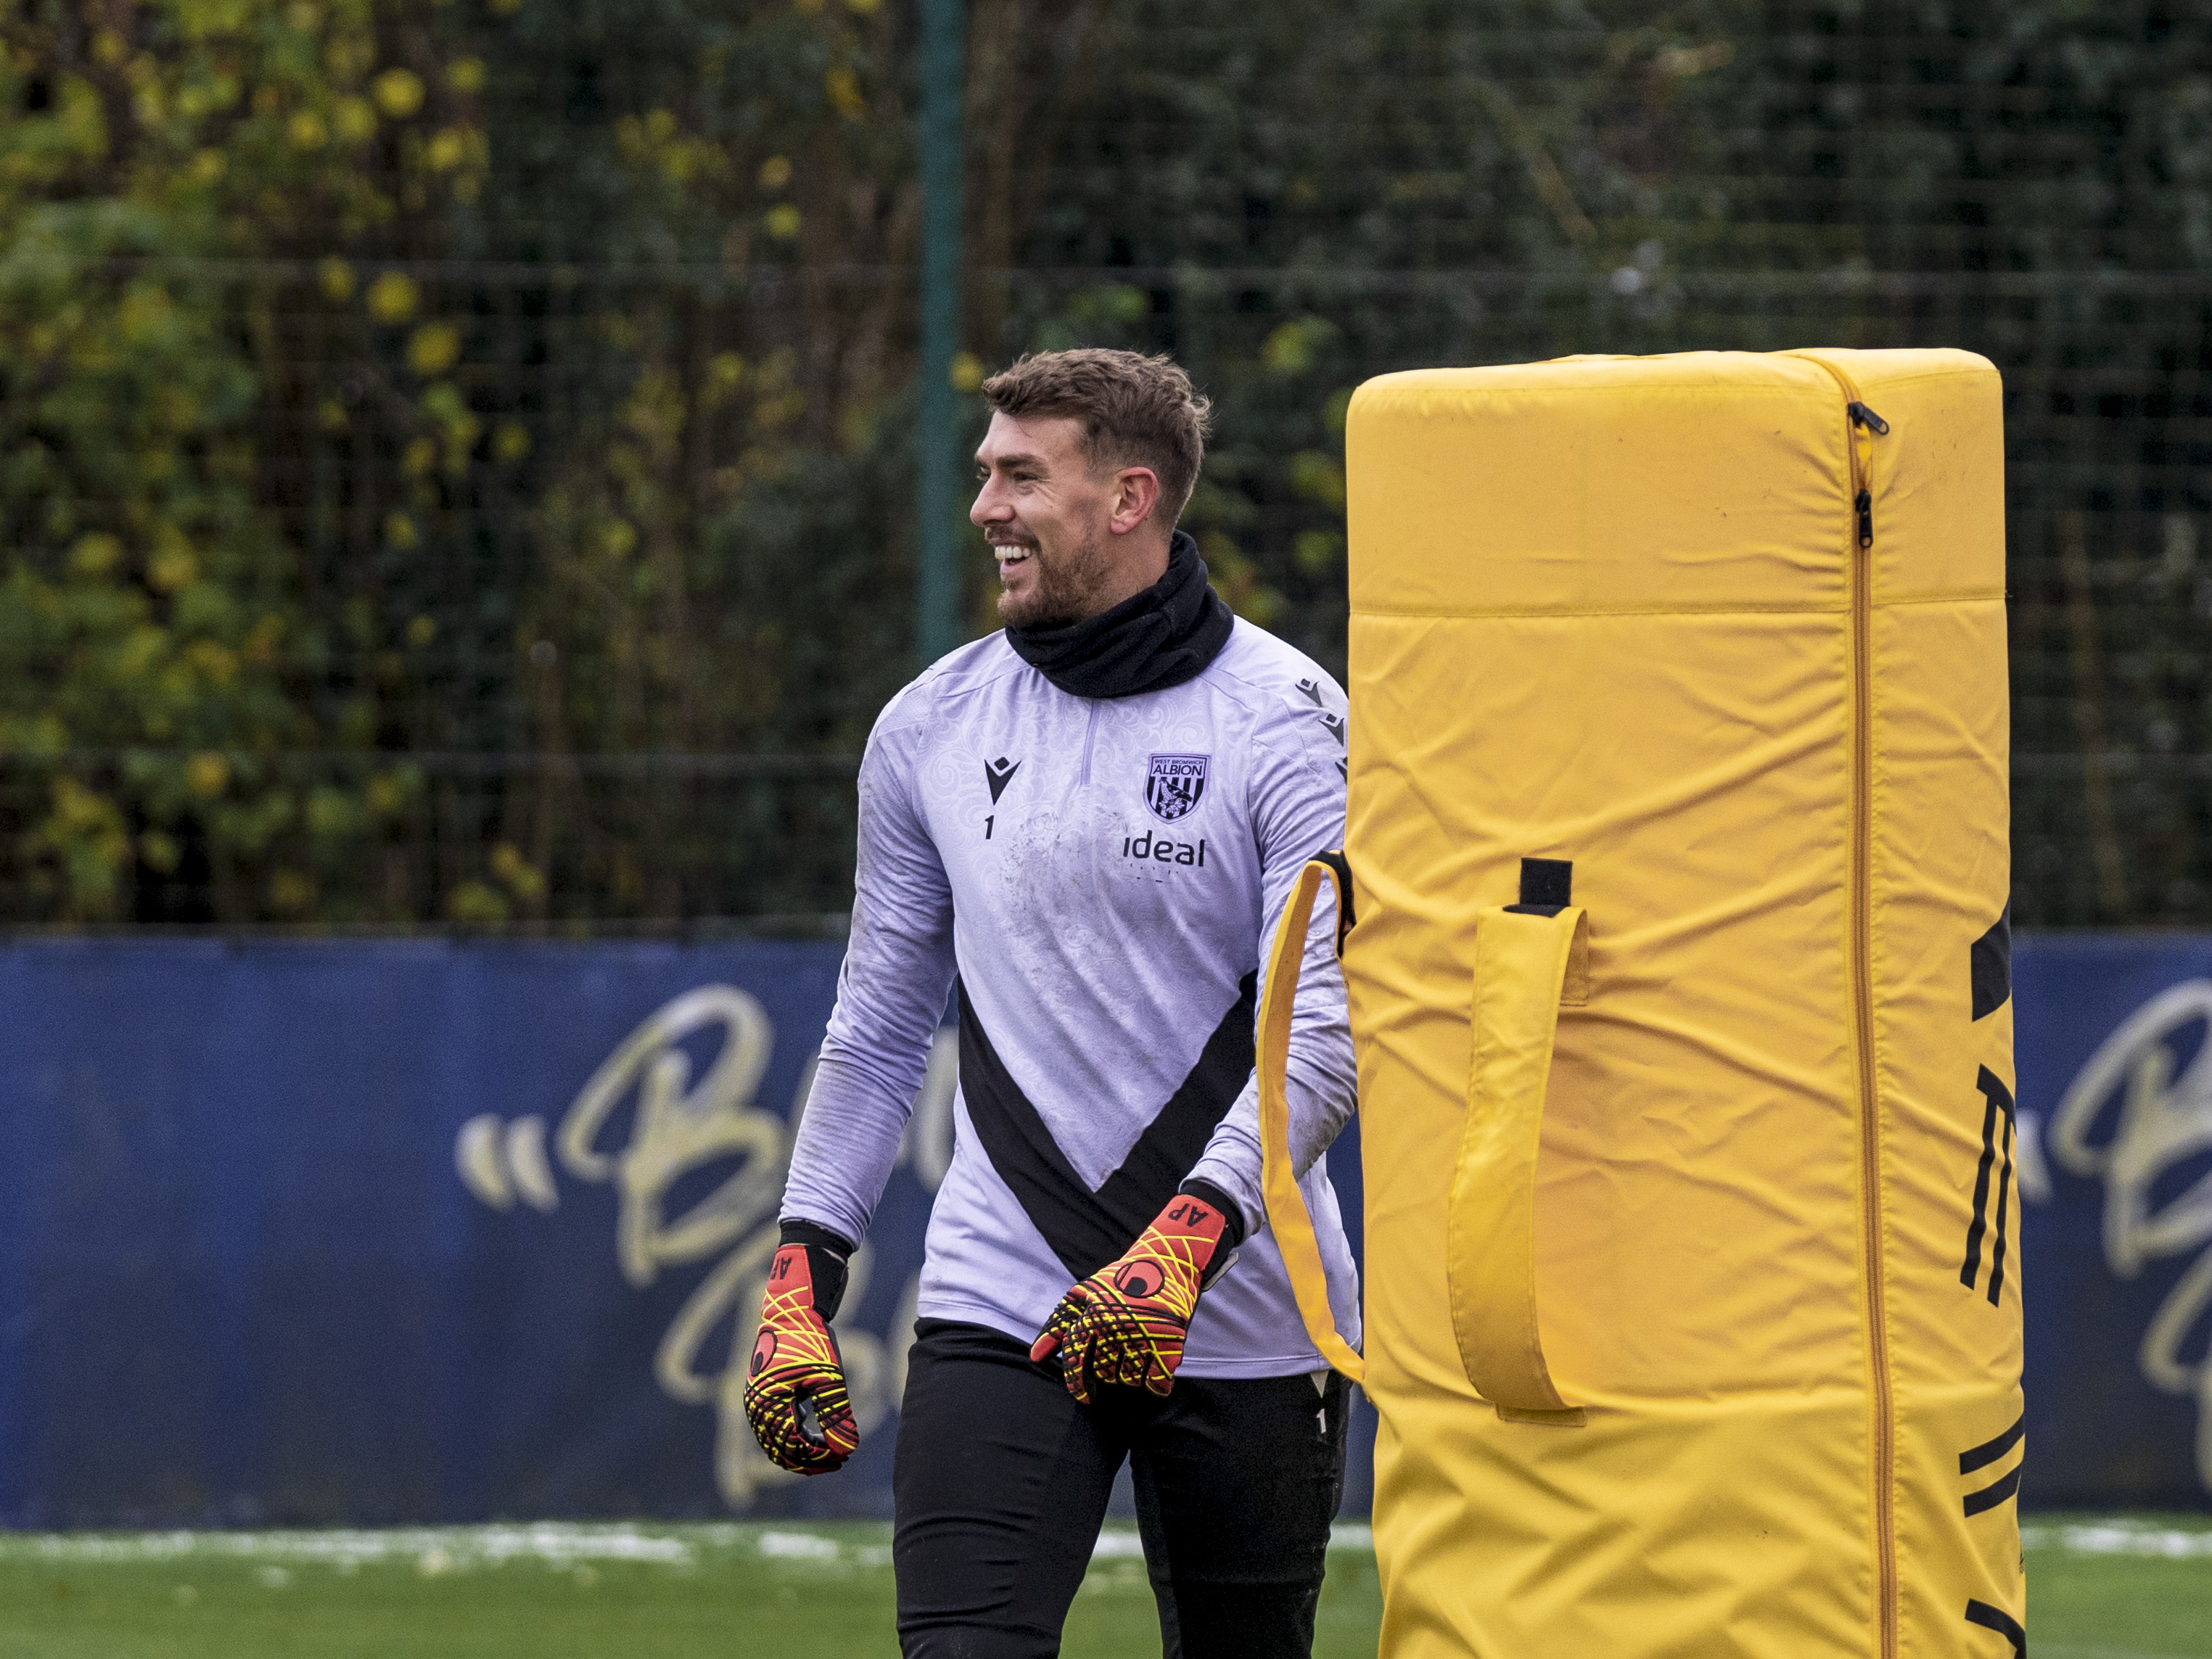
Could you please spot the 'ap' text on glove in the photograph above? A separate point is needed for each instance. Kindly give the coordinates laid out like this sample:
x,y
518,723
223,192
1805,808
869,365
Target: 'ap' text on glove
x,y
795,1396
1125,1325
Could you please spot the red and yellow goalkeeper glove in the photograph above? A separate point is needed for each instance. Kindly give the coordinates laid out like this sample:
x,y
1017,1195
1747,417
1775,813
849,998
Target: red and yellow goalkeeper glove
x,y
795,1398
1125,1325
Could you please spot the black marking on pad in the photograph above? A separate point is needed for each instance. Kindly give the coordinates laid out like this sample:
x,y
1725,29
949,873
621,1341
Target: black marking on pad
x,y
1547,887
1997,1618
1981,1456
1990,967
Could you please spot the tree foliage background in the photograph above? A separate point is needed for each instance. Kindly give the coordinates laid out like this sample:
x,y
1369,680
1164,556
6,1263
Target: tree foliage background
x,y
455,453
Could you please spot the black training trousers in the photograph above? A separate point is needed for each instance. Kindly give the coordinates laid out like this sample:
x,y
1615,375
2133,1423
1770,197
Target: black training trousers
x,y
1001,1482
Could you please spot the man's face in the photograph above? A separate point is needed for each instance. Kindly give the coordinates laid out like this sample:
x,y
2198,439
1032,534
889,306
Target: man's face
x,y
1048,515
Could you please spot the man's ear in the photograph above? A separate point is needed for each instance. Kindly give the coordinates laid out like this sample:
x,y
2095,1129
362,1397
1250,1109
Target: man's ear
x,y
1136,492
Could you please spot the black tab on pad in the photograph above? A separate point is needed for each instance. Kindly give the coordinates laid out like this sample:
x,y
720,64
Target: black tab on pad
x,y
1990,967
1548,886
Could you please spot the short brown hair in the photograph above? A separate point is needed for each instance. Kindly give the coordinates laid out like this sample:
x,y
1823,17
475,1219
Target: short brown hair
x,y
1136,410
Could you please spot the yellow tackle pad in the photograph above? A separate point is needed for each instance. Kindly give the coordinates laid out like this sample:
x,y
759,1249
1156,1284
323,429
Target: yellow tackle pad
x,y
1678,844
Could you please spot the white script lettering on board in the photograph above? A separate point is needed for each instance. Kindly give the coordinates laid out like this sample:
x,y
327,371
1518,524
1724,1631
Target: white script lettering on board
x,y
678,1125
2163,1119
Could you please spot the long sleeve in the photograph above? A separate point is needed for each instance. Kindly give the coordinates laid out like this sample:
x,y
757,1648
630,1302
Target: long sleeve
x,y
1298,812
891,997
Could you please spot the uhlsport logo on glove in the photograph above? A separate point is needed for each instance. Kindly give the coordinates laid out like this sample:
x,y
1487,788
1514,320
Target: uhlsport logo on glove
x,y
1138,1278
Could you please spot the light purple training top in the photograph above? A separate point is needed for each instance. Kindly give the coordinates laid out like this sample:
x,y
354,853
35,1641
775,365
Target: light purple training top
x,y
1102,874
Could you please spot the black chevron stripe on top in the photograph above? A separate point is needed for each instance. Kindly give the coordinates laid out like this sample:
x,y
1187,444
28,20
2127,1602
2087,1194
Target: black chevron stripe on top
x,y
1086,1229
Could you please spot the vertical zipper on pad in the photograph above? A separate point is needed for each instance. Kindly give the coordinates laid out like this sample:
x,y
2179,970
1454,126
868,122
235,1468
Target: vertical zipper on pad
x,y
1862,426
1864,420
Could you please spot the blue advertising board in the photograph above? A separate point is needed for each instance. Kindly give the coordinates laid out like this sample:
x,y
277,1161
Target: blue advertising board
x,y
2115,1172
418,1230
372,1232
395,1231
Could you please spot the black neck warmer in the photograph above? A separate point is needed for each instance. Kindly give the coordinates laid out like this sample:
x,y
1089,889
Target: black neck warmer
x,y
1156,639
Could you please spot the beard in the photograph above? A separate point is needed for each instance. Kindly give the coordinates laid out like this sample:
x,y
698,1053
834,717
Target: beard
x,y
1066,588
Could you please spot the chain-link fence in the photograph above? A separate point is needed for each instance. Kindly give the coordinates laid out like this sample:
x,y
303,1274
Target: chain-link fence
x,y
510,525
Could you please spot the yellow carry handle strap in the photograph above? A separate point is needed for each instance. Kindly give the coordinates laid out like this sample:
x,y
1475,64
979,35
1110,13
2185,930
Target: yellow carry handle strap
x,y
1279,1184
1527,965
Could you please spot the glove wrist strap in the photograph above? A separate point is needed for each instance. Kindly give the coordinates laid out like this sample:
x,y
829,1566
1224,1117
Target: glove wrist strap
x,y
1232,1214
826,1254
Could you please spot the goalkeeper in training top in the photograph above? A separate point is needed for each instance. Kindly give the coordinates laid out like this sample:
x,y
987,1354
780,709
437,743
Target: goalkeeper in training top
x,y
1086,826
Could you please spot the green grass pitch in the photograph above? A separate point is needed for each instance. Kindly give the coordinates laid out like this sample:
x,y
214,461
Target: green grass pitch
x,y
2136,1587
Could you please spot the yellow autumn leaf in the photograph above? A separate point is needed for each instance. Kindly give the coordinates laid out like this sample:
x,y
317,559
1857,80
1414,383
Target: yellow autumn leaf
x,y
172,569
433,349
392,297
95,553
397,92
844,90
290,892
207,774
353,119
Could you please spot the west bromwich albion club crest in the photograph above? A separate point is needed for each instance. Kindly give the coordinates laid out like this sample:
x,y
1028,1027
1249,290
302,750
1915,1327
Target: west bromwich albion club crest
x,y
1173,785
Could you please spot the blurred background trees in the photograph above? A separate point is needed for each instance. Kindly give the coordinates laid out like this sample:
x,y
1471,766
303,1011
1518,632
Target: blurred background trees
x,y
455,453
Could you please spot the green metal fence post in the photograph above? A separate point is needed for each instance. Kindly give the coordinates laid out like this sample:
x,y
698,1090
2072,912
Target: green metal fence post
x,y
937,443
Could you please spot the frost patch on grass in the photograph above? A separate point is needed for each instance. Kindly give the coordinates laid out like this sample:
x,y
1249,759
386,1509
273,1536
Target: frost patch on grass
x,y
2119,1537
796,1547
433,1550
1122,1543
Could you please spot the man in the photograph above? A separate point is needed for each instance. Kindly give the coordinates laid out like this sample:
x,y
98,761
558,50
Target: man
x,y
1093,819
